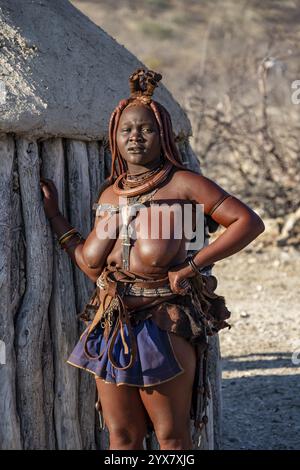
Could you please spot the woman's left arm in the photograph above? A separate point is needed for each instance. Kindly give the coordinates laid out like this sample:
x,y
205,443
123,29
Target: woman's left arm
x,y
242,224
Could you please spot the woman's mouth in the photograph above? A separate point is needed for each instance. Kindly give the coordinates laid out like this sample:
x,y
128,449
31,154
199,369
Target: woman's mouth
x,y
136,150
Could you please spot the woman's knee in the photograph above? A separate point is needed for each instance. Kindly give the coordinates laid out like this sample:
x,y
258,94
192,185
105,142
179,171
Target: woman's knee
x,y
174,437
173,442
126,437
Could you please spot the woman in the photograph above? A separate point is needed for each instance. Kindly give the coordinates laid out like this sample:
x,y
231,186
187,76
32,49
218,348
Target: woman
x,y
153,305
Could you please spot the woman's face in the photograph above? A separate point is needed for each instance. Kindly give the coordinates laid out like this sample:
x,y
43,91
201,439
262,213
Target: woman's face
x,y
138,138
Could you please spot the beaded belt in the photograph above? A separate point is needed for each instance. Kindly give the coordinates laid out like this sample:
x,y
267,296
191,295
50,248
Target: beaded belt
x,y
133,290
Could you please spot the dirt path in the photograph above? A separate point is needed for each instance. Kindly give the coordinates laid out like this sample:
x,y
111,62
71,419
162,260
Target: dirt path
x,y
261,386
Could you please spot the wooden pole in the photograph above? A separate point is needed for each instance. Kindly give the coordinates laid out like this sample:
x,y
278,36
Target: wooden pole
x,y
62,314
10,437
32,315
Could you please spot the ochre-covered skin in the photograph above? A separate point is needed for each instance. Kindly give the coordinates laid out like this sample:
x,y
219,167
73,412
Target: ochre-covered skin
x,y
127,409
158,256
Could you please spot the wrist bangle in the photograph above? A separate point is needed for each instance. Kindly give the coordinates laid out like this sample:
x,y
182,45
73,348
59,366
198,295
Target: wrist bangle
x,y
66,234
66,246
193,265
69,237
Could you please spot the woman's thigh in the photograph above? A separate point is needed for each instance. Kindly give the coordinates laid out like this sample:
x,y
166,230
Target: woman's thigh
x,y
168,404
123,410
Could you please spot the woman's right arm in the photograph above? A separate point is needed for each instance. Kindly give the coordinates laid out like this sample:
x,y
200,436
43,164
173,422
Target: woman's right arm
x,y
98,244
100,247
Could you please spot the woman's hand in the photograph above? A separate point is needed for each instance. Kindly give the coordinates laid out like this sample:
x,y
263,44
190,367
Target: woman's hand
x,y
50,197
178,277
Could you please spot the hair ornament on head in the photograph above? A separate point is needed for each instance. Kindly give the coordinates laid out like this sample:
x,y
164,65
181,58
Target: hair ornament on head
x,y
142,84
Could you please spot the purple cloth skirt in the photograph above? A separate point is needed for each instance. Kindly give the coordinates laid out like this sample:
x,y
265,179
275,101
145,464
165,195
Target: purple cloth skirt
x,y
155,360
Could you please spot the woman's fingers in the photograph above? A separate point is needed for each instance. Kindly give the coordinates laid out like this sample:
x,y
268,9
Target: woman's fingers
x,y
47,182
44,180
178,284
43,183
45,190
48,187
181,287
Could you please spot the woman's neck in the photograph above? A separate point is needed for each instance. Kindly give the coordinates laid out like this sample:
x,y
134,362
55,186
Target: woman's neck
x,y
137,169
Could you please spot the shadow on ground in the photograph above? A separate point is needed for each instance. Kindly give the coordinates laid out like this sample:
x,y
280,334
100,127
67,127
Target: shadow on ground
x,y
261,409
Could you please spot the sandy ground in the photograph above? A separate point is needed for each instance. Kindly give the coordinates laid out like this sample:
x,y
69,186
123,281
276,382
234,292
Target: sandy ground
x,y
261,352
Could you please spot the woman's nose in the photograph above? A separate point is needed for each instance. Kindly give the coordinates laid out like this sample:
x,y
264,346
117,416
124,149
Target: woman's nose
x,y
136,136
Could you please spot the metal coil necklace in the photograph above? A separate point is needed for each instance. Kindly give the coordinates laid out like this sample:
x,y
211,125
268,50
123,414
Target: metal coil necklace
x,y
136,179
134,185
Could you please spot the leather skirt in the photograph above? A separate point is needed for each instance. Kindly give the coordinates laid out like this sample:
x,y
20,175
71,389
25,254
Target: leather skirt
x,y
133,347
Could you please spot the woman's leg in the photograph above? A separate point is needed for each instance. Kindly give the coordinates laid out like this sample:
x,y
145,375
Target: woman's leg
x,y
168,404
124,415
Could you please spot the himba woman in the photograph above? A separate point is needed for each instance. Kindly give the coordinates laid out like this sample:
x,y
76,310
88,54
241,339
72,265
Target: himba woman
x,y
154,305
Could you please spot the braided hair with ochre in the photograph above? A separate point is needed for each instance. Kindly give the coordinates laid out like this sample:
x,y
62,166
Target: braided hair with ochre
x,y
142,84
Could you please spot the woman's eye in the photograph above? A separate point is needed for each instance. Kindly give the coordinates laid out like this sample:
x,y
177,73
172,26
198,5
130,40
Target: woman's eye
x,y
128,129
